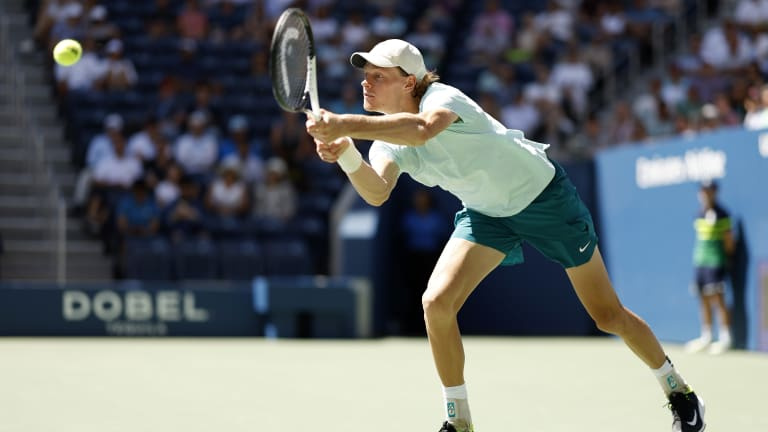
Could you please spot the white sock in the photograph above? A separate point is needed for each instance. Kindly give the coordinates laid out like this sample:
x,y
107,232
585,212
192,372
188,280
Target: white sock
x,y
724,335
706,333
457,405
670,380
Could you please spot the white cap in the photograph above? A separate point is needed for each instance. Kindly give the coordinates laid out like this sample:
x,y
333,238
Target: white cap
x,y
393,53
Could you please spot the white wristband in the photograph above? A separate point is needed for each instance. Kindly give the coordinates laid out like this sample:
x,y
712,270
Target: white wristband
x,y
350,159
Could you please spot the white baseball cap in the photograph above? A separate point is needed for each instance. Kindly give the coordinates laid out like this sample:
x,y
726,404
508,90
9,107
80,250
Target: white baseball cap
x,y
392,53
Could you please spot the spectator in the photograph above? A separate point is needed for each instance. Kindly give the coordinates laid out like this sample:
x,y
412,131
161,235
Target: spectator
x,y
227,199
757,114
185,217
112,176
724,48
205,101
674,86
388,24
101,146
188,70
287,137
168,189
119,74
491,32
226,21
276,197
557,21
69,28
145,143
87,75
348,102
324,25
192,22
197,150
542,92
99,28
137,214
574,78
50,13
354,31
521,114
239,149
430,42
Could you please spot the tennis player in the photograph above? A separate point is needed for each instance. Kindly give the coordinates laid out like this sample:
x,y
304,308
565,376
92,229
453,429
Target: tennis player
x,y
511,192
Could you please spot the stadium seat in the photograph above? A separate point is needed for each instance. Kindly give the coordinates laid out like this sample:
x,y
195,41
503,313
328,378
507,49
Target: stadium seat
x,y
240,259
287,257
195,259
148,259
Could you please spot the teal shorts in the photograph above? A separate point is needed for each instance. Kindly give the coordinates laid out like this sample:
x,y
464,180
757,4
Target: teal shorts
x,y
556,223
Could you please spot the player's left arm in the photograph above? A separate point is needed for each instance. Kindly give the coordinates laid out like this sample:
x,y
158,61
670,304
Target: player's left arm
x,y
402,128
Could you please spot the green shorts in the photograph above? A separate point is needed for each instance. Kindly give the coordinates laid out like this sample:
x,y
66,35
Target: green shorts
x,y
556,223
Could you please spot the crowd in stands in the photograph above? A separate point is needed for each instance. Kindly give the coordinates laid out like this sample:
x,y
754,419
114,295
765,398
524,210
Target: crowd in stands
x,y
175,132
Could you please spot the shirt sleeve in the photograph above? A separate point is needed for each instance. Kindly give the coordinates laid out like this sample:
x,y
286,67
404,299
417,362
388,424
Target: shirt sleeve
x,y
449,99
403,156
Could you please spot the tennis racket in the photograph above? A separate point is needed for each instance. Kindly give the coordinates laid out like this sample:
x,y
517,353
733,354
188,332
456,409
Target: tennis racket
x,y
293,64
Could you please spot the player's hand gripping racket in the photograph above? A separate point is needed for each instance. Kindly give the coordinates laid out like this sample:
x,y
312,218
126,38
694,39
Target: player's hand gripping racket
x,y
293,65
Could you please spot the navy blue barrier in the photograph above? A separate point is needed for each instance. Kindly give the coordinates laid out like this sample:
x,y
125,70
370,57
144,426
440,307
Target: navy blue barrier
x,y
647,205
268,306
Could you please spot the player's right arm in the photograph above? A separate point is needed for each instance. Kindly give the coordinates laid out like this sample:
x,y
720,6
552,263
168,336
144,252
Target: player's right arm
x,y
374,182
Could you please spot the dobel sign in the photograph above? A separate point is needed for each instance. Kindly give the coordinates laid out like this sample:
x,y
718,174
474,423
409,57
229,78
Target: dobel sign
x,y
134,305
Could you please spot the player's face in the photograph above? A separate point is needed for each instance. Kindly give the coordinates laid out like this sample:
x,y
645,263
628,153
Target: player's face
x,y
383,89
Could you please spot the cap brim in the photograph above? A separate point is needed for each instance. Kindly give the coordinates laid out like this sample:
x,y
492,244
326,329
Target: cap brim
x,y
359,59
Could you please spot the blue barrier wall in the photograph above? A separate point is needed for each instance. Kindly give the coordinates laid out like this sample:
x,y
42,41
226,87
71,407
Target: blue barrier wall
x,y
647,205
273,307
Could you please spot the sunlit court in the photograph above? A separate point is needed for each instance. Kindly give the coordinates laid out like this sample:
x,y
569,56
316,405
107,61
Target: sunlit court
x,y
190,385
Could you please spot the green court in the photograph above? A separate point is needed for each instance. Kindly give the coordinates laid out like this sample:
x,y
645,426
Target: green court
x,y
239,385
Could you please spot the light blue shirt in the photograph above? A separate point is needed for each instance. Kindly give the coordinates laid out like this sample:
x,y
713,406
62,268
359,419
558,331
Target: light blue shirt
x,y
491,169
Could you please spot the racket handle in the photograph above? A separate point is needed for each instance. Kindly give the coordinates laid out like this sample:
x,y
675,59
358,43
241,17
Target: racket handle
x,y
315,115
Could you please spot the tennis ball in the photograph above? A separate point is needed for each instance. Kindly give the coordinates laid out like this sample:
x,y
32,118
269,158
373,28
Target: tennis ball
x,y
67,52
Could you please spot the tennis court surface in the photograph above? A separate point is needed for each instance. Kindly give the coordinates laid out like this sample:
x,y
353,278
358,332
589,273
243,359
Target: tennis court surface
x,y
234,385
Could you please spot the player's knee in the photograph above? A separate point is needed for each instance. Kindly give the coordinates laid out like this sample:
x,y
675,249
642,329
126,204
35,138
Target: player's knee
x,y
610,320
437,309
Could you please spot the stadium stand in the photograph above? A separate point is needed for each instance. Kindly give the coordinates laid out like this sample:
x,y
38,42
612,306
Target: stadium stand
x,y
212,57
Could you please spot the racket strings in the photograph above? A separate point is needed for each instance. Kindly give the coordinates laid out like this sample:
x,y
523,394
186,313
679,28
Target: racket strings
x,y
291,49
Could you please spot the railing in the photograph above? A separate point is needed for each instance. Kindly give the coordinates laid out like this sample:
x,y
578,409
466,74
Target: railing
x,y
39,169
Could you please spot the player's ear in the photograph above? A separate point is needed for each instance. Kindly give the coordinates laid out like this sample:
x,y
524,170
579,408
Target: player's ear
x,y
410,83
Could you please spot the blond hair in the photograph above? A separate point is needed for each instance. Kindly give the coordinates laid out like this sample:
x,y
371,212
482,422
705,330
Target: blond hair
x,y
421,86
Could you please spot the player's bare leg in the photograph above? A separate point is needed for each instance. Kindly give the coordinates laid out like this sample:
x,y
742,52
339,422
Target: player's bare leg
x,y
594,289
461,267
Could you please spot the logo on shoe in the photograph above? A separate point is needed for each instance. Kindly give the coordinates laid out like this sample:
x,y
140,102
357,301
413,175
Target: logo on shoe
x,y
451,409
695,418
672,382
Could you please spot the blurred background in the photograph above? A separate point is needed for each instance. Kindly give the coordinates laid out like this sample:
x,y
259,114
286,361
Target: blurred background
x,y
155,188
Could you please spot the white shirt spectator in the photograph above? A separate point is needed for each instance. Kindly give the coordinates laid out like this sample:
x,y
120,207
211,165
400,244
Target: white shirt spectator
x,y
751,12
388,24
574,74
141,146
252,168
536,92
99,148
118,171
196,153
521,115
558,22
227,196
324,25
716,51
83,74
166,192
